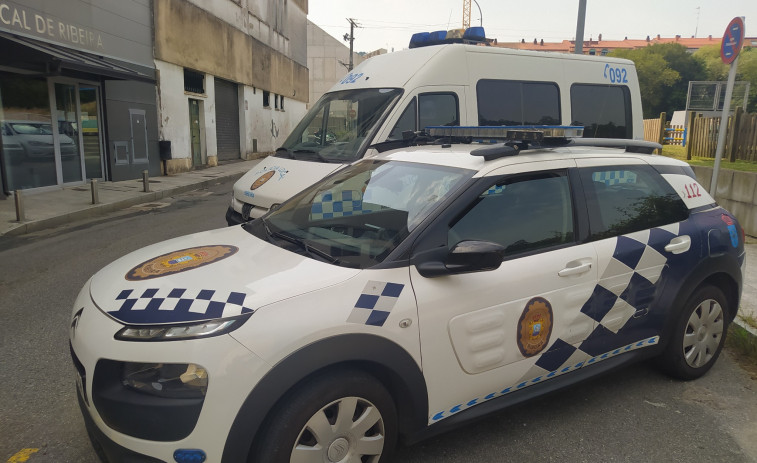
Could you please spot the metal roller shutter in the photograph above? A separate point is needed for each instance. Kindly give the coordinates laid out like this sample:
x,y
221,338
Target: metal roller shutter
x,y
227,120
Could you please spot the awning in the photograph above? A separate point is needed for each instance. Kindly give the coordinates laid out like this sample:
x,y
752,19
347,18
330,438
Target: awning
x,y
67,58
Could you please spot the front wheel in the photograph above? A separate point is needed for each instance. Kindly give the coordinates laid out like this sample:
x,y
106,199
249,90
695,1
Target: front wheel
x,y
698,336
343,416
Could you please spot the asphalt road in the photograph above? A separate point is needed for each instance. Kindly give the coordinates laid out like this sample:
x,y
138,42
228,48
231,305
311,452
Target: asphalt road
x,y
634,414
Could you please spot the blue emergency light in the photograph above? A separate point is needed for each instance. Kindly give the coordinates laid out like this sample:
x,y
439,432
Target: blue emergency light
x,y
471,35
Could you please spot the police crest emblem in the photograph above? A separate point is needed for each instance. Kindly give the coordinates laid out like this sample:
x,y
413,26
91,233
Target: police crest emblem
x,y
535,327
180,261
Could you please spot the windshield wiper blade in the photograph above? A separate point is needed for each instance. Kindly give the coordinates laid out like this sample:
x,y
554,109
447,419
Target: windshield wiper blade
x,y
286,151
308,248
315,153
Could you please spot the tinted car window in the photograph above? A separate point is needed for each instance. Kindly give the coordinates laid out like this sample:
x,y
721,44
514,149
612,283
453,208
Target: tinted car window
x,y
510,102
603,110
433,109
524,213
625,199
437,109
405,122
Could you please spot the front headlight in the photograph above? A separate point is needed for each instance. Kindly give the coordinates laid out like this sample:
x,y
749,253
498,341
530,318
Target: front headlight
x,y
180,332
174,380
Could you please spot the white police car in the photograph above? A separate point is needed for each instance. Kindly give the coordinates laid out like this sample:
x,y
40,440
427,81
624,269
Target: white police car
x,y
403,296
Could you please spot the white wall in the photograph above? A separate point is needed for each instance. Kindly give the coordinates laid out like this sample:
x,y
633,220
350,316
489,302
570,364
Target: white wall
x,y
173,107
268,126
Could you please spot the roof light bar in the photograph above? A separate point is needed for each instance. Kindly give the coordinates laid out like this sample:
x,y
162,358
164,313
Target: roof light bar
x,y
471,35
519,132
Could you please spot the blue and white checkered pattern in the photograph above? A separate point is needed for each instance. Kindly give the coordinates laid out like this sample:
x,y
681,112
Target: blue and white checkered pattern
x,y
375,303
174,305
614,177
329,204
544,376
495,190
625,288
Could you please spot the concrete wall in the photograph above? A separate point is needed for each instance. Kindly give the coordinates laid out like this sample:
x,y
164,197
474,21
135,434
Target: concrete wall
x,y
258,44
737,192
190,36
324,54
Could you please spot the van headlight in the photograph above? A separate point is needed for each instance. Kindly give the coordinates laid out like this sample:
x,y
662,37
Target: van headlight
x,y
170,380
181,331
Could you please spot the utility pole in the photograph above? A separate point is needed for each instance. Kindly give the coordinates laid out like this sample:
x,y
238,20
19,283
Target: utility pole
x,y
580,27
351,38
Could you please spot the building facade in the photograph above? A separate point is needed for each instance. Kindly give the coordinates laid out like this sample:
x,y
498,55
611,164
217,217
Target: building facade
x,y
328,60
77,92
232,77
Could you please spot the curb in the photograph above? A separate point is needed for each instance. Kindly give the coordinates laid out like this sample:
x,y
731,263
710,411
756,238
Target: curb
x,y
94,210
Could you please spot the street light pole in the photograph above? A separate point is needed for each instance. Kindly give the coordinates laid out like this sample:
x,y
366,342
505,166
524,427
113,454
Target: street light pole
x,y
481,16
580,27
351,38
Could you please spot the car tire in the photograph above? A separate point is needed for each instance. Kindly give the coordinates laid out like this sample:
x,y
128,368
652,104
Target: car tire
x,y
337,416
698,335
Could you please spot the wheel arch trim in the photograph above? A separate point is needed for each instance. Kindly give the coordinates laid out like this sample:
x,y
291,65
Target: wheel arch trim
x,y
376,355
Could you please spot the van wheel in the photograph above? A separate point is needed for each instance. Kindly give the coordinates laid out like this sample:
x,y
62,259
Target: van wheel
x,y
698,336
343,416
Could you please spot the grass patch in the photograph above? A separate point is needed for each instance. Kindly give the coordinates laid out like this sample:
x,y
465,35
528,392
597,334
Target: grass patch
x,y
743,344
679,152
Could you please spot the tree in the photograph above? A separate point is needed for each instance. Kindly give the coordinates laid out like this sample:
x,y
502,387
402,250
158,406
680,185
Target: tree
x,y
715,69
664,72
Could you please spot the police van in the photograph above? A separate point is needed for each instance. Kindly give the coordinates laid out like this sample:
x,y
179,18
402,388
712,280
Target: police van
x,y
455,84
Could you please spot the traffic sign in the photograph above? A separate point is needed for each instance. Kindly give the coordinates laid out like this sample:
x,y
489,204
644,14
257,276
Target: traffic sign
x,y
733,39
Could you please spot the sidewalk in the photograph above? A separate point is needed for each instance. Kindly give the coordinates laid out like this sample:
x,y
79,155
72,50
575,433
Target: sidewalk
x,y
56,207
59,206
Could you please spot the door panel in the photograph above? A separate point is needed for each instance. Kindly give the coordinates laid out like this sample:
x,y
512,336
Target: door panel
x,y
498,331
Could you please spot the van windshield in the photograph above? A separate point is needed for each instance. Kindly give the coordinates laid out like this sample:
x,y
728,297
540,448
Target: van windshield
x,y
339,126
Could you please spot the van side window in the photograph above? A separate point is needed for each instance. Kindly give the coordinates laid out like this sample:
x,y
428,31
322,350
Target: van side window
x,y
626,199
436,109
603,110
405,122
504,214
431,109
512,102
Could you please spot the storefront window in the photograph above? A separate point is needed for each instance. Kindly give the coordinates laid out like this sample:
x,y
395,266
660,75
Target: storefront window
x,y
27,132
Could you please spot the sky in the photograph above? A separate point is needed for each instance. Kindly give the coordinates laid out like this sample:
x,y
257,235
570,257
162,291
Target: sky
x,y
390,23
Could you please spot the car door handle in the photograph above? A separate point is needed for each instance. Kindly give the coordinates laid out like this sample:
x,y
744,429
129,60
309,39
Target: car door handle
x,y
582,267
679,244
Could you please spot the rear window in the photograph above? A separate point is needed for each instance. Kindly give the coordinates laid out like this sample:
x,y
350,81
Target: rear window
x,y
626,199
603,110
512,102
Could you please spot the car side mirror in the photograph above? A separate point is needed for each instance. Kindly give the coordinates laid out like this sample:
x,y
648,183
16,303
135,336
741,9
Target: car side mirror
x,y
465,257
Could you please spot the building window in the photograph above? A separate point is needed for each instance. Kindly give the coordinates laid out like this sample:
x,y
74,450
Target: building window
x,y
279,16
281,102
276,100
194,81
266,99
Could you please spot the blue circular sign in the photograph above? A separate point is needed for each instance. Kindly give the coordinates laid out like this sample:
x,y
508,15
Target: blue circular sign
x,y
733,39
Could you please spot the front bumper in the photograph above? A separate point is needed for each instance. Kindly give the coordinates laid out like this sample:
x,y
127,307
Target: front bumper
x,y
134,434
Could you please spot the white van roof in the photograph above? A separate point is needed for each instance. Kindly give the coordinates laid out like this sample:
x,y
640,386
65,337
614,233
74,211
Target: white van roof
x,y
441,65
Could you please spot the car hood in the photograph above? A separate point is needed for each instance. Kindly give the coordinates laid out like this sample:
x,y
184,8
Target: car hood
x,y
205,276
274,180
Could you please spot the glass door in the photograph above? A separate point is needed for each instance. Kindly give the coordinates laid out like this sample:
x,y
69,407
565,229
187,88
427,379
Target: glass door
x,y
89,102
66,110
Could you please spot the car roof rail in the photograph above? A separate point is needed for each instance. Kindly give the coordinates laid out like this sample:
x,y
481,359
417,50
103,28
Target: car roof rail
x,y
631,146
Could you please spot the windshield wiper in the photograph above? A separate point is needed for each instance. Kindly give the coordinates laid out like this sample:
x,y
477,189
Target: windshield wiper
x,y
286,151
308,248
317,154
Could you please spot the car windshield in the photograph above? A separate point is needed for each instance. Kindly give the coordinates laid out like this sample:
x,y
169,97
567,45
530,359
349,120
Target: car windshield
x,y
31,128
358,216
339,126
